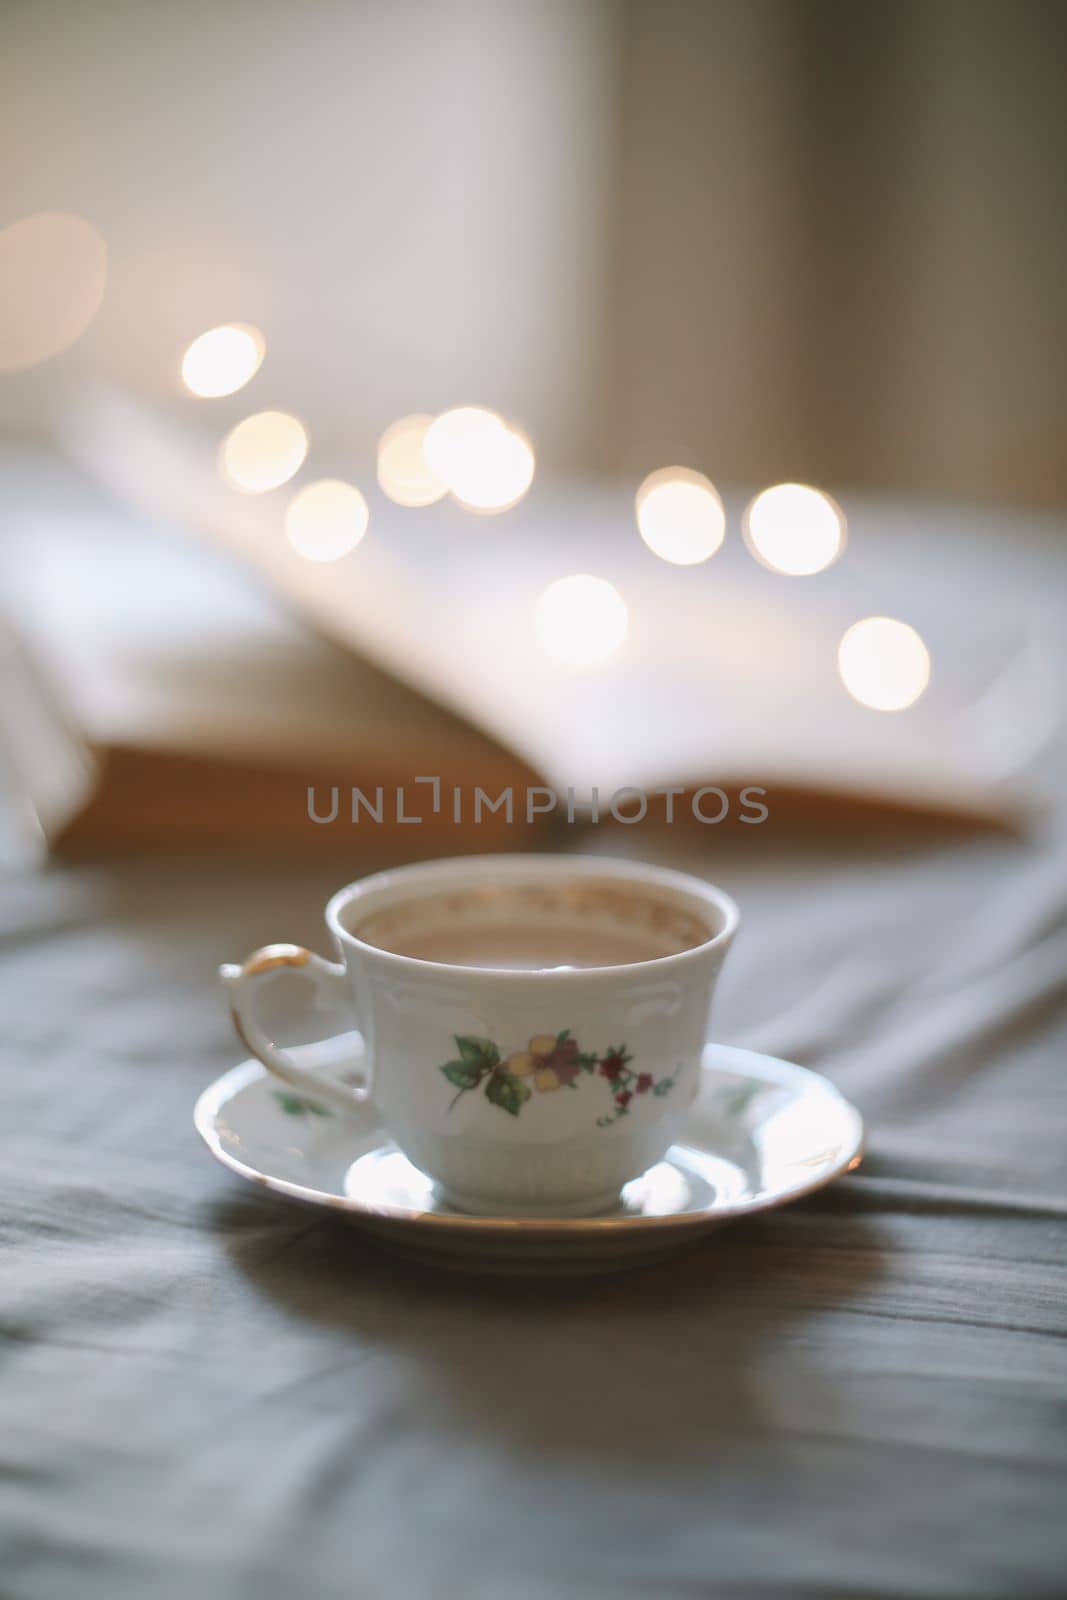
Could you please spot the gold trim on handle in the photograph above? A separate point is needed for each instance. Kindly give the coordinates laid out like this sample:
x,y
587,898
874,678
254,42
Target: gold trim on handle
x,y
275,955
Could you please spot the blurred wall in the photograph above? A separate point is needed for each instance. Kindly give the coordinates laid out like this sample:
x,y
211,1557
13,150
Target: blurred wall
x,y
842,242
710,295
410,198
823,239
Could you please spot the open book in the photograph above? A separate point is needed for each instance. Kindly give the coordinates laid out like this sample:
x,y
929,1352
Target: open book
x,y
211,711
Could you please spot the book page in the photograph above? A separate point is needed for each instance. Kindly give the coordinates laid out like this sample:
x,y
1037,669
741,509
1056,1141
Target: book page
x,y
728,672
149,640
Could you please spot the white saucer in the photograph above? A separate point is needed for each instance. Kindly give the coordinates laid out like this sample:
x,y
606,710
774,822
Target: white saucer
x,y
761,1132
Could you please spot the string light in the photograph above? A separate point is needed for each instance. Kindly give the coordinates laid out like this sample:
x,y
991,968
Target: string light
x,y
580,620
884,664
403,472
263,451
53,273
794,529
486,464
223,360
680,515
326,520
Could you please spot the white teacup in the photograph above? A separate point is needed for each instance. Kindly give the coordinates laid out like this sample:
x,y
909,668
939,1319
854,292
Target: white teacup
x,y
533,1025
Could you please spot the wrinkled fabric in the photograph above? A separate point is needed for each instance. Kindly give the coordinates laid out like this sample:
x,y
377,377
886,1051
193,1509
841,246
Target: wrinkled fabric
x,y
207,1393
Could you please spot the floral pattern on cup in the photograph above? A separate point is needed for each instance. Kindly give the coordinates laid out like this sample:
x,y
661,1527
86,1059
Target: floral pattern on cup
x,y
550,1061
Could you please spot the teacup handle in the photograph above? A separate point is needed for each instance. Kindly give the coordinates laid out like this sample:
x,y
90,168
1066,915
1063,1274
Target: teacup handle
x,y
330,981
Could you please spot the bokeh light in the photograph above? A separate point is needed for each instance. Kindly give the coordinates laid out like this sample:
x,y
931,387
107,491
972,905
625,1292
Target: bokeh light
x,y
223,360
884,664
680,515
486,464
263,451
453,439
53,272
580,620
403,472
502,476
326,520
794,529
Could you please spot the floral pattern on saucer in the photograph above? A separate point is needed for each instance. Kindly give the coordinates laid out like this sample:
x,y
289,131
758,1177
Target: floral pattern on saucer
x,y
294,1105
550,1061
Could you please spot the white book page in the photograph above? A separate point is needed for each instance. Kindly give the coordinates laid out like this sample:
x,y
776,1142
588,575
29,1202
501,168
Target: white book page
x,y
727,673
149,640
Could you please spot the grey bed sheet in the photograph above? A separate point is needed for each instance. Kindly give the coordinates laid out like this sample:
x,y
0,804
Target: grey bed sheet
x,y
207,1395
